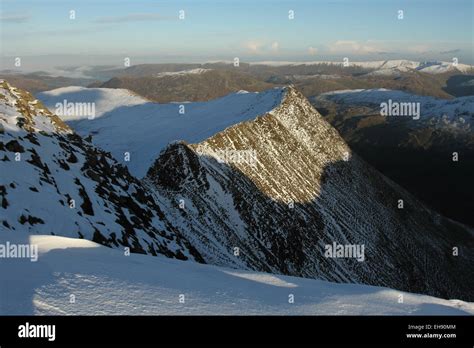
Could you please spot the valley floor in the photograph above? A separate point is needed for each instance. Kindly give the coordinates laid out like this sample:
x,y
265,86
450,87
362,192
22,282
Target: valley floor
x,y
74,276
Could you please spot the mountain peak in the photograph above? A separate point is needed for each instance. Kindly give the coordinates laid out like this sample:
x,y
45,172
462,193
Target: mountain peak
x,y
292,132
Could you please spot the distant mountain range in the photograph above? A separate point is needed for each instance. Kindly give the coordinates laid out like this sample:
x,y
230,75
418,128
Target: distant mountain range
x,y
386,67
438,79
182,83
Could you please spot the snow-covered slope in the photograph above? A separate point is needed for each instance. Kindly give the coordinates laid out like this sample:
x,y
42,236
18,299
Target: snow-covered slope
x,y
53,182
79,277
125,123
105,100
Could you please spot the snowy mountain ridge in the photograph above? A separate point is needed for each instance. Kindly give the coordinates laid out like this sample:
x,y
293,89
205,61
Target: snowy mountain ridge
x,y
125,123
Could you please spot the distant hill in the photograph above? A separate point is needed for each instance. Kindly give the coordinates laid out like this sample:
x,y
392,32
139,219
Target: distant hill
x,y
416,153
39,82
188,85
414,82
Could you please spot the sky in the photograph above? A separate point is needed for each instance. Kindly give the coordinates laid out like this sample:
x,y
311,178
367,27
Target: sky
x,y
107,31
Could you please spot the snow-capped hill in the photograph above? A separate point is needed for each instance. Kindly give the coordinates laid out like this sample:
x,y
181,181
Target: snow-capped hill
x,y
142,285
404,65
442,67
394,67
104,100
387,67
400,65
54,182
129,125
458,111
270,194
196,71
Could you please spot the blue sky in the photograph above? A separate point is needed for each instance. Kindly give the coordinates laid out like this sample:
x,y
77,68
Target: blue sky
x,y
251,30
